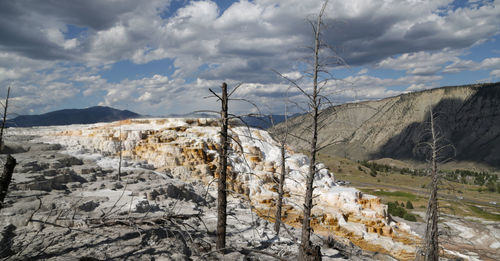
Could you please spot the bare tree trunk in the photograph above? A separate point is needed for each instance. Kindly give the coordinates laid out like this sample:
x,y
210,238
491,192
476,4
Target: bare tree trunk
x,y
6,177
279,204
431,246
221,189
306,251
5,107
120,154
10,164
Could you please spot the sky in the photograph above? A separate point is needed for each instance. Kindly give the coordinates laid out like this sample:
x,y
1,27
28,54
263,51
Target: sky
x,y
160,57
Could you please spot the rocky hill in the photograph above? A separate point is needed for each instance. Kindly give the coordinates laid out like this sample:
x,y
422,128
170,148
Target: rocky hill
x,y
73,116
468,117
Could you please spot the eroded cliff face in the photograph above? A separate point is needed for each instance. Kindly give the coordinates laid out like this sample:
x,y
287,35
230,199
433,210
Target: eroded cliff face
x,y
187,149
392,127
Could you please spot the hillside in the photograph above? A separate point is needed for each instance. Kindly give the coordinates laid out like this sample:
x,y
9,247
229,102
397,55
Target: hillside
x,y
73,116
392,127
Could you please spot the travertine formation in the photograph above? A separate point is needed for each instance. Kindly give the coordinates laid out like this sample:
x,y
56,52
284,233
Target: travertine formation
x,y
187,149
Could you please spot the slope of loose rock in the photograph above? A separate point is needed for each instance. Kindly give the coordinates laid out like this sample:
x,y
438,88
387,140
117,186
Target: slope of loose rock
x,y
392,127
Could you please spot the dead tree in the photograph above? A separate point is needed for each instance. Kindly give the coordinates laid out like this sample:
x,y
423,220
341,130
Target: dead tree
x,y
282,139
8,169
438,150
306,250
431,242
225,140
316,99
4,120
221,185
120,153
10,163
281,183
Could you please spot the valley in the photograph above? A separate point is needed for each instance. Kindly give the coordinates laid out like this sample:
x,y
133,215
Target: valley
x,y
453,193
464,209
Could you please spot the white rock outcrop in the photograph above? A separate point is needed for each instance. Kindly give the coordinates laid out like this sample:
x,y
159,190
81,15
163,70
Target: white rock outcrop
x,y
187,149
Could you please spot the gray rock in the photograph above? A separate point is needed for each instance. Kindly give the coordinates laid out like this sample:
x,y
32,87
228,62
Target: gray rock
x,y
183,192
43,147
88,206
144,206
117,185
13,148
31,166
70,161
57,182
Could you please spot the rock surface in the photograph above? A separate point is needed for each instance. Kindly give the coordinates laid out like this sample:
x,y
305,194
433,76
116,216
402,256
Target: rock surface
x,y
68,201
186,150
91,218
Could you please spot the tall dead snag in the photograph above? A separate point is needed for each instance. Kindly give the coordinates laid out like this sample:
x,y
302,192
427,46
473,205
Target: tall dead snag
x,y
281,182
221,187
431,243
120,153
438,150
10,164
5,107
279,202
306,250
316,98
223,151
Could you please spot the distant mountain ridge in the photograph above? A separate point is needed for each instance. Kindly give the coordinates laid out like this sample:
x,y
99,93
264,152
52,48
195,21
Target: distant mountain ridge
x,y
469,117
73,116
266,121
261,121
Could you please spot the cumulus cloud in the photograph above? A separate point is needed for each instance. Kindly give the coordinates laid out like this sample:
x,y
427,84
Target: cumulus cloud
x,y
79,39
420,63
495,73
468,65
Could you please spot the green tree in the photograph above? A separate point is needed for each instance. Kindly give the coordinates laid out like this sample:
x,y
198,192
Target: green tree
x,y
490,186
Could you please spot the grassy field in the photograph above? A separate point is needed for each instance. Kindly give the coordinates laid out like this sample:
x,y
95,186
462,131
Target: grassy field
x,y
455,198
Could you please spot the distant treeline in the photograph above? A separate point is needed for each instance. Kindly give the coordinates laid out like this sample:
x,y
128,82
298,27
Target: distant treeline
x,y
469,177
459,175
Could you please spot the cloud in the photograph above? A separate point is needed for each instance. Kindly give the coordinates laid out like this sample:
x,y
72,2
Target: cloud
x,y
38,29
29,98
495,73
362,71
469,65
69,45
420,63
419,87
365,87
198,33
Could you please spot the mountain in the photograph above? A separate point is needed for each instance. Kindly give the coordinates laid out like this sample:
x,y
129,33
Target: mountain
x,y
468,117
192,115
264,122
73,116
260,122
